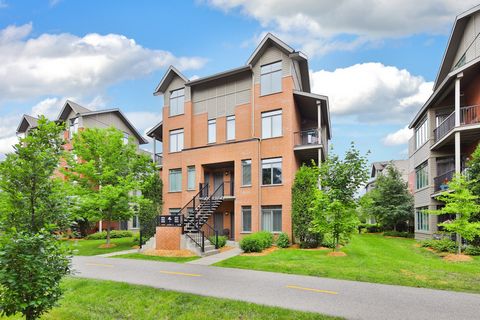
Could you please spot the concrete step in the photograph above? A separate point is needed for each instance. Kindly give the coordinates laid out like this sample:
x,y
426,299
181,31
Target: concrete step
x,y
210,252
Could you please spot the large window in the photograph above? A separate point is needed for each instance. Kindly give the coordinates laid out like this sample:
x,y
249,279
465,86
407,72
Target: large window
x,y
272,171
272,218
421,219
212,131
175,180
271,78
421,133
191,178
271,124
246,172
177,102
73,129
246,219
176,140
421,176
231,128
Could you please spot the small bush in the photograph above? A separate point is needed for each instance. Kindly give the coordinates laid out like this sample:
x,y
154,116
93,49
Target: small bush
x,y
256,242
398,234
283,241
472,250
442,245
369,228
222,241
113,234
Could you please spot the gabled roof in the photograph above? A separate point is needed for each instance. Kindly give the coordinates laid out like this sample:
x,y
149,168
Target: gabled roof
x,y
167,78
453,43
26,123
70,106
120,114
156,132
264,44
219,75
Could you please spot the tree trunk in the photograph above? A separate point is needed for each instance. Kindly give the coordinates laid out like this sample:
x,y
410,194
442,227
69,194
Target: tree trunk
x,y
459,244
394,227
108,233
29,314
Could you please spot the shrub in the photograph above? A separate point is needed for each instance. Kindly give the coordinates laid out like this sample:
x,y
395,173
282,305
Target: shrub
x,y
398,234
31,268
283,241
222,241
472,250
442,245
369,228
113,234
256,242
329,242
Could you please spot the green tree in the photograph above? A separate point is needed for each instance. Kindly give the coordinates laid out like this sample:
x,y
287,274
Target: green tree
x,y
31,268
460,200
104,173
303,195
31,196
335,204
392,202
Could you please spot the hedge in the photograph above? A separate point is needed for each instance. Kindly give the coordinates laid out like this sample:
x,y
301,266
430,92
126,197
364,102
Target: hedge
x,y
113,234
398,234
256,242
443,245
283,241
222,241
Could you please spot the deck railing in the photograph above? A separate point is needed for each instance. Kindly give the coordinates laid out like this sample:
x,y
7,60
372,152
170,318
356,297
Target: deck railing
x,y
468,115
307,137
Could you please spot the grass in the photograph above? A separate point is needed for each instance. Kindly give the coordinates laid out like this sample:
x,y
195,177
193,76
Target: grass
x,y
371,258
104,300
91,247
141,256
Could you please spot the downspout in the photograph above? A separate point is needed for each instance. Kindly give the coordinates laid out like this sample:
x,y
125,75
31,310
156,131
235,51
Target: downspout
x,y
259,151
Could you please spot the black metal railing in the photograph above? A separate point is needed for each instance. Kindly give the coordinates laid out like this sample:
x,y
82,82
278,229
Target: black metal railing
x,y
441,182
444,127
148,228
307,137
210,233
195,202
158,159
470,114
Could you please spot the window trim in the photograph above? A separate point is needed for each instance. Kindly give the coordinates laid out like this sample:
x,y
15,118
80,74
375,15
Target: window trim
x,y
243,209
272,161
423,165
189,170
243,163
422,224
271,208
270,73
174,209
176,98
421,131
270,115
179,189
214,123
176,132
230,119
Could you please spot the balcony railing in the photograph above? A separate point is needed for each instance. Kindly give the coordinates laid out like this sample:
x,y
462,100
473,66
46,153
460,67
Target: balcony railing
x,y
307,137
468,115
441,182
158,159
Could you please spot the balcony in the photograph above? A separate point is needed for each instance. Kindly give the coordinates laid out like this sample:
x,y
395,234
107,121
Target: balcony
x,y
441,182
469,117
158,159
308,143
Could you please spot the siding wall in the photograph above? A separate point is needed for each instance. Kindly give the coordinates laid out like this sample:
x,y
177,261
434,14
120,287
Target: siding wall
x,y
471,30
272,54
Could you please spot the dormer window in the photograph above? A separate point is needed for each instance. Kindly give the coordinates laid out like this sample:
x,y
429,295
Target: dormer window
x,y
271,78
177,102
73,128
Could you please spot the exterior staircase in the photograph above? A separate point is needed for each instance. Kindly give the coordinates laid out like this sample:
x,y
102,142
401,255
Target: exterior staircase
x,y
201,214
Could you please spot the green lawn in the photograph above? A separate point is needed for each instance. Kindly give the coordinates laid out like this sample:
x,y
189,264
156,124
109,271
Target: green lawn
x,y
104,300
155,258
91,247
371,258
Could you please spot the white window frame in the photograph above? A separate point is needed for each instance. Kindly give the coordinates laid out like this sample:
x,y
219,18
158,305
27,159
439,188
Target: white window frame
x,y
246,209
230,128
421,133
267,215
177,102
73,128
175,186
212,131
135,222
272,124
271,78
126,138
176,140
421,176
191,178
270,164
246,163
422,219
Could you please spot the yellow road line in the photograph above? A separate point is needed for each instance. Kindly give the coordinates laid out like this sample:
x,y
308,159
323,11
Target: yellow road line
x,y
100,265
181,273
311,289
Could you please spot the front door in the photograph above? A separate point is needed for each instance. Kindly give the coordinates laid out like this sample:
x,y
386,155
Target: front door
x,y
218,222
217,180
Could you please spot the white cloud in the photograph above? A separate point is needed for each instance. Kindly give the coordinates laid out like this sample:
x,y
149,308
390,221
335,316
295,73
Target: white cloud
x,y
372,92
398,137
68,65
315,25
3,4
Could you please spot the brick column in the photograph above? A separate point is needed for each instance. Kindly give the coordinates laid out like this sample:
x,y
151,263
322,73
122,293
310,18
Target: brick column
x,y
168,238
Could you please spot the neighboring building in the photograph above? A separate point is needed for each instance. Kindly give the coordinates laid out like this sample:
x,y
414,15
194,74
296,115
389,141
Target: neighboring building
x,y
447,127
78,118
244,132
379,167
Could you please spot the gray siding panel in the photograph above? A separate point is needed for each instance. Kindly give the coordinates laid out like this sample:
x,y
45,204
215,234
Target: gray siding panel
x,y
272,54
176,83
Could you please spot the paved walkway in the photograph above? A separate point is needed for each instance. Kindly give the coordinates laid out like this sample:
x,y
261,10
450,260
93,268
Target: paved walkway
x,y
349,299
207,261
118,253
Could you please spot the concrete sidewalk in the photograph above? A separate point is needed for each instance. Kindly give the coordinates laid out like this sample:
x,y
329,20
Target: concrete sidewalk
x,y
349,299
207,261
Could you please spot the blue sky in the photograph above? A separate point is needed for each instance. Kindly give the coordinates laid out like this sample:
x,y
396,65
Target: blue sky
x,y
376,61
